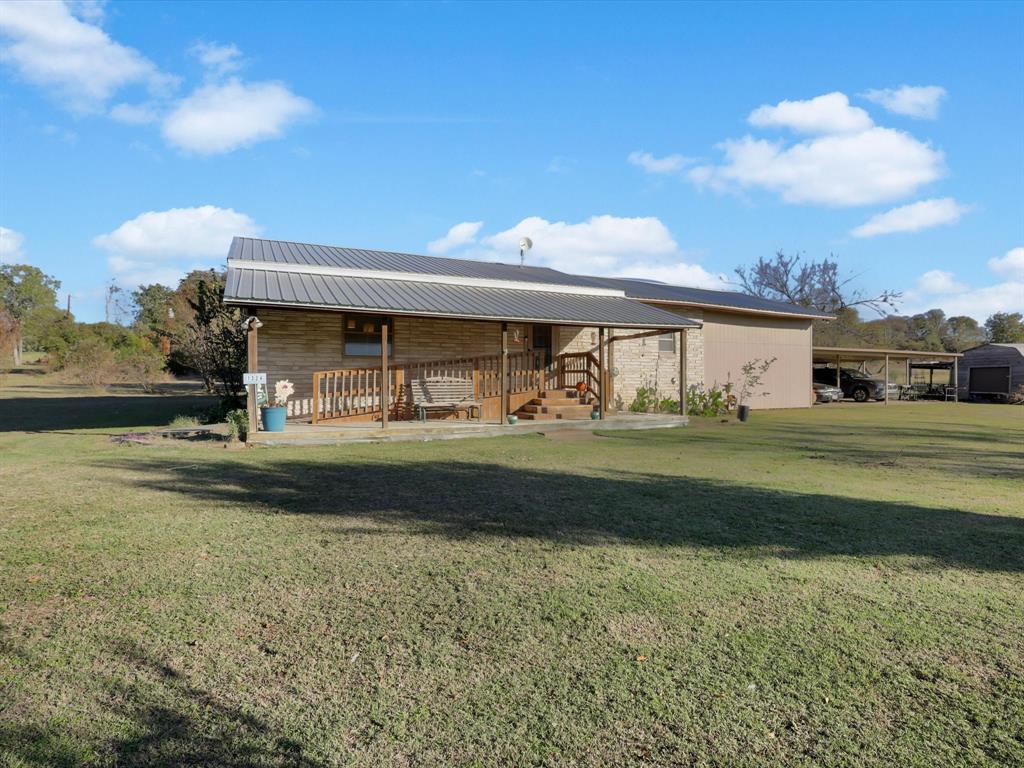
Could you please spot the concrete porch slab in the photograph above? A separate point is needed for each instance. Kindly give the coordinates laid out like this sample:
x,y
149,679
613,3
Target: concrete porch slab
x,y
405,431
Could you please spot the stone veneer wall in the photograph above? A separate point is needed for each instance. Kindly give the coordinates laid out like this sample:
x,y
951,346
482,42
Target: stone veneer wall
x,y
638,363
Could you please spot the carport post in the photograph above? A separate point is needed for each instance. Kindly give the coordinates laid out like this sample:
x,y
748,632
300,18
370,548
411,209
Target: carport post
x,y
908,371
886,379
839,365
956,380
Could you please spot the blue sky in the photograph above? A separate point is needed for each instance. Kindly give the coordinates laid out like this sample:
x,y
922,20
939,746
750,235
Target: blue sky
x,y
668,141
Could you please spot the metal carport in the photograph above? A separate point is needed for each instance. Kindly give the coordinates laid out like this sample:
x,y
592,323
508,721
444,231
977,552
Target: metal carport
x,y
840,355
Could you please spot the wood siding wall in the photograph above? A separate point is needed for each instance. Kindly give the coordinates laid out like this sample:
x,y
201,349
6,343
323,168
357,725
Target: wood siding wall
x,y
987,356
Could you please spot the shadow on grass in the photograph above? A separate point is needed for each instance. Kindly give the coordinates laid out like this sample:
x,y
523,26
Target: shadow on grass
x,y
101,411
163,720
463,499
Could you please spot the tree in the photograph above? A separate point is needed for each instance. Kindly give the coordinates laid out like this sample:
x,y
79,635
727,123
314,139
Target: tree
x,y
153,303
815,284
963,333
23,290
1005,328
213,341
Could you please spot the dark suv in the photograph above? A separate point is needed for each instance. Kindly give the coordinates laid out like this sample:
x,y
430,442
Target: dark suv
x,y
855,384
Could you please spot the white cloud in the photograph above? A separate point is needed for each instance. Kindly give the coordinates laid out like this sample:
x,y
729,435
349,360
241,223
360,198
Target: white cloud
x,y
652,164
639,247
939,281
75,60
163,245
1011,265
913,218
830,113
937,288
135,114
221,117
875,166
219,59
921,102
10,245
458,236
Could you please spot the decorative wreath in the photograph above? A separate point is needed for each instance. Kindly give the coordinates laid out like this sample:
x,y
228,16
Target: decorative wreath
x,y
582,387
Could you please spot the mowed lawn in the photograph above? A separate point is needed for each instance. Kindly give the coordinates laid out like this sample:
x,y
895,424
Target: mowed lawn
x,y
835,586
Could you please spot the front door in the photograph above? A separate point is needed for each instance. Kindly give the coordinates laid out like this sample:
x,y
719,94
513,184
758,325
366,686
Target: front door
x,y
540,336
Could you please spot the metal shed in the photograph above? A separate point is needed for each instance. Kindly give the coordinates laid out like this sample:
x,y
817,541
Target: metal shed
x,y
991,371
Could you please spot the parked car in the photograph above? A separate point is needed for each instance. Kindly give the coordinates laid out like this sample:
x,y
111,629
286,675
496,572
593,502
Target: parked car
x,y
853,383
827,393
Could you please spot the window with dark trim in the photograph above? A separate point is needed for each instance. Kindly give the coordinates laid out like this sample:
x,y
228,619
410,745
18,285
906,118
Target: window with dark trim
x,y
667,342
361,334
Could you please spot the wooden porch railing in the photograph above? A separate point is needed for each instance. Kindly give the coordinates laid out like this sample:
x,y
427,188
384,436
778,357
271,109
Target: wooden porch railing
x,y
347,392
576,367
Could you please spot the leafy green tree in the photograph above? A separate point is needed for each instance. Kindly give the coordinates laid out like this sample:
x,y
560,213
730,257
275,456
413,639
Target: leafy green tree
x,y
1005,327
213,342
963,333
154,307
23,290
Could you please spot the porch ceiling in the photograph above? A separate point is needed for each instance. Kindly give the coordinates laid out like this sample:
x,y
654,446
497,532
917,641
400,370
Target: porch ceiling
x,y
271,287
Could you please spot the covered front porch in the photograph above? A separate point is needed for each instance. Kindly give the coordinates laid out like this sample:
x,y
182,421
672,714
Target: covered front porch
x,y
538,373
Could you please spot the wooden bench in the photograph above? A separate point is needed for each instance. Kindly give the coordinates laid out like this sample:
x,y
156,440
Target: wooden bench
x,y
444,393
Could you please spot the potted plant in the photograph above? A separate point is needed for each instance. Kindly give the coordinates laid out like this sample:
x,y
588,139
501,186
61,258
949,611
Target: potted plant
x,y
753,373
274,415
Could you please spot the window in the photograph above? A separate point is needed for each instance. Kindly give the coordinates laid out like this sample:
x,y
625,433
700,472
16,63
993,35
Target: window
x,y
667,342
362,335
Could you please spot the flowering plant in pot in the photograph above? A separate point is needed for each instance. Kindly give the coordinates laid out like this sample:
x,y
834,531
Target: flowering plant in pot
x,y
274,415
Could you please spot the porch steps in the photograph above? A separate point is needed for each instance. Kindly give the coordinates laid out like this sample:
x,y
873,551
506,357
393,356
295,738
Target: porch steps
x,y
561,404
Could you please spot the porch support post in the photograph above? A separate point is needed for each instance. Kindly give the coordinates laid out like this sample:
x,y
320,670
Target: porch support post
x,y
601,376
886,379
611,367
504,372
252,365
385,384
683,384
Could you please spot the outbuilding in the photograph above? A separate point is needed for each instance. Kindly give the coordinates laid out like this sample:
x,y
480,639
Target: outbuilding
x,y
991,371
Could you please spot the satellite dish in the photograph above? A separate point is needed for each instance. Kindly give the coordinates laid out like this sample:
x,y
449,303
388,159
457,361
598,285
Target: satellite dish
x,y
525,244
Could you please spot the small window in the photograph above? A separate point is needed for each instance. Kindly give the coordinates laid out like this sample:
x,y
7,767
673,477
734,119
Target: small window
x,y
667,342
362,336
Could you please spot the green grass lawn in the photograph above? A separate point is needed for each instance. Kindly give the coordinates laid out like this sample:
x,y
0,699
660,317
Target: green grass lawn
x,y
835,586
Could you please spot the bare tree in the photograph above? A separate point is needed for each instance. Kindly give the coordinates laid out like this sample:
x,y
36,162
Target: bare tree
x,y
815,284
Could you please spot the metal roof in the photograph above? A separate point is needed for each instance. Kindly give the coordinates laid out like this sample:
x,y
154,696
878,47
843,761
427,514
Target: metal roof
x,y
284,252
860,354
251,286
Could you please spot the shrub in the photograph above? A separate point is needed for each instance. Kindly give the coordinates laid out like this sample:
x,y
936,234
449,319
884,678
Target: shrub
x,y
181,421
238,424
645,401
143,366
91,362
713,401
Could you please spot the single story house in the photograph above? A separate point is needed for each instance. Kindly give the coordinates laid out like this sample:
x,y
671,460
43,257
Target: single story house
x,y
327,313
991,371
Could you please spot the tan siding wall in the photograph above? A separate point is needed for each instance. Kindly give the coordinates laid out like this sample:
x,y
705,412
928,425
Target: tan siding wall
x,y
730,340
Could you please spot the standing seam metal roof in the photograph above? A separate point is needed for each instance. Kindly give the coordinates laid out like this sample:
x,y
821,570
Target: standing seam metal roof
x,y
259,286
285,252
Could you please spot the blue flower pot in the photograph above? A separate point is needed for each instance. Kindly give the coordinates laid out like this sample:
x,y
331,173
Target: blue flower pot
x,y
595,415
512,418
273,418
